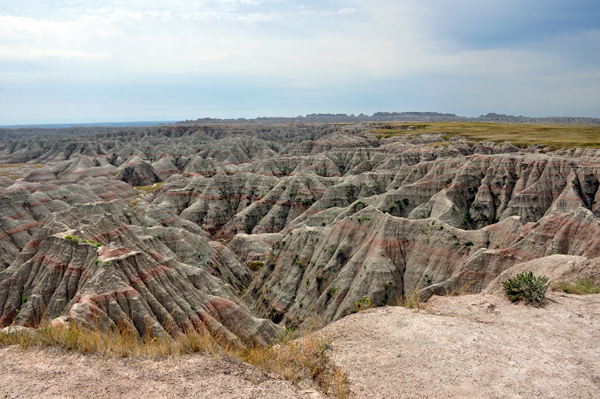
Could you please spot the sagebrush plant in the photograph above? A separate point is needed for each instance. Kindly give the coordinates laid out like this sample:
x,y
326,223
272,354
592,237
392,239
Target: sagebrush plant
x,y
527,288
583,286
295,359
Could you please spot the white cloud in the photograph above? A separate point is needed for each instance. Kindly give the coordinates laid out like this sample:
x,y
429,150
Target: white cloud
x,y
293,45
33,54
29,38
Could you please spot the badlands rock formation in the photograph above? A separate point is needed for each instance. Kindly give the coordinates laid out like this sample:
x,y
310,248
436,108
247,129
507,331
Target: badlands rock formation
x,y
325,215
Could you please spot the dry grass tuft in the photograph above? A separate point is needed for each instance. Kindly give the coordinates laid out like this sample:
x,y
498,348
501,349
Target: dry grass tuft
x,y
412,301
121,342
463,290
583,286
303,359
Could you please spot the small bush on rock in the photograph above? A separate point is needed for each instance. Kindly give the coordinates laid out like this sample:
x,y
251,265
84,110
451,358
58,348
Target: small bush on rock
x,y
527,288
255,265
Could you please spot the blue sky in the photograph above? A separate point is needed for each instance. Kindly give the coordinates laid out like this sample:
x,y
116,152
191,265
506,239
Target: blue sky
x,y
116,60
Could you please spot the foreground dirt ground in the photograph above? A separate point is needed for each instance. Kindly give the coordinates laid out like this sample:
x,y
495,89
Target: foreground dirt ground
x,y
474,346
41,374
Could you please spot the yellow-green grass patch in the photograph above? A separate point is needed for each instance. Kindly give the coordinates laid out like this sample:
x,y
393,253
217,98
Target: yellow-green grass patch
x,y
583,286
552,135
148,189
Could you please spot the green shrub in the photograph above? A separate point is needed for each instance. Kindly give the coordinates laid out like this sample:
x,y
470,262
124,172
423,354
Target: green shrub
x,y
527,288
583,286
255,265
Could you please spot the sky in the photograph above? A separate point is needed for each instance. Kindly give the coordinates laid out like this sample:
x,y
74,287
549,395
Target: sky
x,y
115,60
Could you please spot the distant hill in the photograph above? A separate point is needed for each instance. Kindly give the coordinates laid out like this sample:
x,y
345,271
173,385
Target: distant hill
x,y
63,131
391,117
99,124
66,131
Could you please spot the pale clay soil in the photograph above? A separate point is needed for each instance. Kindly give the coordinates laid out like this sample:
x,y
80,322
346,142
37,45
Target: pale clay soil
x,y
473,346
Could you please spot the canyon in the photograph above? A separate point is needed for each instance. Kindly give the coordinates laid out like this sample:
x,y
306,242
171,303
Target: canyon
x,y
241,230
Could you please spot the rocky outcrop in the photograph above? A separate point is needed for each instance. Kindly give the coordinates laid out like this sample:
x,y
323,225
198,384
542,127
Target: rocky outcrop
x,y
366,254
251,248
137,173
103,274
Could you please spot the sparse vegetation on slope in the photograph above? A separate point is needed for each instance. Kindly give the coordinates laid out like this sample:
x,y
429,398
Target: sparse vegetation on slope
x,y
583,286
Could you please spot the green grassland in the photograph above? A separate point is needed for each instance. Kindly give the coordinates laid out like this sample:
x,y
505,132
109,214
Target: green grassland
x,y
523,135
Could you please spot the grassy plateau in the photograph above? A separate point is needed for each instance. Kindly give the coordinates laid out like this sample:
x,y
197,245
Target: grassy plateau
x,y
554,136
